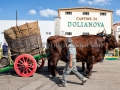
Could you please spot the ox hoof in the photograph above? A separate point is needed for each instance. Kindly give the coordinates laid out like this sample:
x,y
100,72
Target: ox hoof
x,y
57,75
53,77
88,76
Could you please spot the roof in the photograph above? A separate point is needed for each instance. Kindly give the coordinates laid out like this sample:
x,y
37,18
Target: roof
x,y
116,23
85,8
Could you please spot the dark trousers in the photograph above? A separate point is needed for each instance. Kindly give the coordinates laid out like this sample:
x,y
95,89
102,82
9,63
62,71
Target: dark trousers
x,y
5,53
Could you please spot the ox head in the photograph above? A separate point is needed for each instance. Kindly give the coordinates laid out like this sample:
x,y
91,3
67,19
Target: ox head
x,y
112,43
109,39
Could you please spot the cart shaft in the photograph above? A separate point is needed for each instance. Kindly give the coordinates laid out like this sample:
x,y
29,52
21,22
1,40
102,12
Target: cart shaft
x,y
7,68
38,57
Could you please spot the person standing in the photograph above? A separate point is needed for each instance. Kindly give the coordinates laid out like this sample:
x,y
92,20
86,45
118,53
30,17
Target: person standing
x,y
5,49
71,65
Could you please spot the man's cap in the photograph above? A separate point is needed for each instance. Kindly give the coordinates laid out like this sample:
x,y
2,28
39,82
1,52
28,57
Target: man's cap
x,y
68,40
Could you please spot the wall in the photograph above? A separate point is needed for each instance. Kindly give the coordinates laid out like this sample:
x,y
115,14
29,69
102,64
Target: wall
x,y
115,26
45,26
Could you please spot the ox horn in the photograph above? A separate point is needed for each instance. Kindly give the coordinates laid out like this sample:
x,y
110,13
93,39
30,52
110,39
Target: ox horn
x,y
104,30
98,31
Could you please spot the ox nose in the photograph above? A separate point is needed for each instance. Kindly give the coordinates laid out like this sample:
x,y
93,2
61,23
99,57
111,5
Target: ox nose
x,y
117,44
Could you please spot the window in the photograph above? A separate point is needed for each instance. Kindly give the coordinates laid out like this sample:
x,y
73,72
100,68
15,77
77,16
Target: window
x,y
102,14
118,29
68,13
48,33
2,32
85,33
119,36
68,33
85,13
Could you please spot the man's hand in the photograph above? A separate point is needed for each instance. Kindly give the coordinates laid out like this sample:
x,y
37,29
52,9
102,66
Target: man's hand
x,y
70,65
71,58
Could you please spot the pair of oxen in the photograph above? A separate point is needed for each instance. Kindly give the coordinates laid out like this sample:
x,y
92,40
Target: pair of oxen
x,y
91,49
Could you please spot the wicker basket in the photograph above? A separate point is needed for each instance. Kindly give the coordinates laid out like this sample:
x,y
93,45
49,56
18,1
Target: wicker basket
x,y
24,39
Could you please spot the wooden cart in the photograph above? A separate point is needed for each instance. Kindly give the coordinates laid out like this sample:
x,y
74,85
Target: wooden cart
x,y
25,45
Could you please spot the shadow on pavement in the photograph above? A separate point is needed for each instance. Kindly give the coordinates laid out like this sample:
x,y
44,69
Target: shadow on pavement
x,y
44,71
9,72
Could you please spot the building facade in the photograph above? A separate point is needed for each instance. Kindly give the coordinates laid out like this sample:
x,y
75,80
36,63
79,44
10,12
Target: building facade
x,y
116,31
82,21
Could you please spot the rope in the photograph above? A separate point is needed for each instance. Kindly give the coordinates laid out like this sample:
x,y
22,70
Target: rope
x,y
22,51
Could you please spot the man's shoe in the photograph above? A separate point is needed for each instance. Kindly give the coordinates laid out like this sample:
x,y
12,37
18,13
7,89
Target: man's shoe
x,y
62,85
84,80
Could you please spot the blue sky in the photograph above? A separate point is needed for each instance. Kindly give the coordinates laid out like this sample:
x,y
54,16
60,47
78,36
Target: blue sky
x,y
47,9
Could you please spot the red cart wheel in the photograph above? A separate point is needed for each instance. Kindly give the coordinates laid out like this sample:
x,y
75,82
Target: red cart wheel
x,y
25,65
40,63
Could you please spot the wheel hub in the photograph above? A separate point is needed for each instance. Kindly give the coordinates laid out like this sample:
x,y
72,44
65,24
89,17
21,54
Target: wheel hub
x,y
25,65
4,61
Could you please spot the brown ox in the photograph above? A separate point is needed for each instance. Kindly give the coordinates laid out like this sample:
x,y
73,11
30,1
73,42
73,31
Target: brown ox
x,y
48,43
86,50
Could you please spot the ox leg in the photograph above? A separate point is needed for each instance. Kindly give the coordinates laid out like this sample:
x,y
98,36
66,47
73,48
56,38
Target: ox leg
x,y
53,65
49,64
89,66
83,66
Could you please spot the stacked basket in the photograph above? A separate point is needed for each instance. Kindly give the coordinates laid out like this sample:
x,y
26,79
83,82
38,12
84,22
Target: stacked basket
x,y
24,39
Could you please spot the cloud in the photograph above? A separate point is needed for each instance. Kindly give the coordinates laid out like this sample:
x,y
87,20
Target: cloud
x,y
102,2
90,2
32,12
118,12
81,1
0,9
48,12
95,2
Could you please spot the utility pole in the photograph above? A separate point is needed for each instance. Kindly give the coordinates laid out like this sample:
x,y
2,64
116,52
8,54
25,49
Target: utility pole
x,y
17,24
16,17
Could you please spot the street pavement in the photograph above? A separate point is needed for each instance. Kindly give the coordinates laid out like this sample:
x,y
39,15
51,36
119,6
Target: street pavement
x,y
105,76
